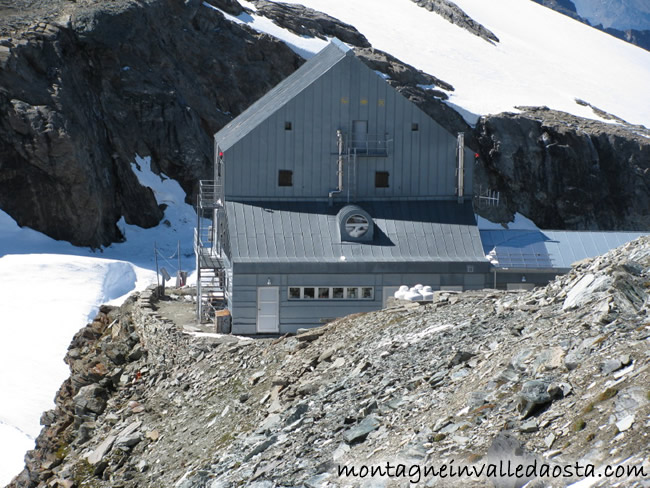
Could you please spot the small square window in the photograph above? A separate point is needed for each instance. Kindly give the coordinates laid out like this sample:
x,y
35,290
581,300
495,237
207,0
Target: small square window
x,y
470,268
323,293
415,127
309,293
353,293
285,177
381,179
337,292
287,126
294,292
366,292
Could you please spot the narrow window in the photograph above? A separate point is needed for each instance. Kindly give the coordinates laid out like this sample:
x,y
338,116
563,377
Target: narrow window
x,y
381,179
309,293
366,292
415,127
294,292
287,125
323,293
353,293
285,177
337,292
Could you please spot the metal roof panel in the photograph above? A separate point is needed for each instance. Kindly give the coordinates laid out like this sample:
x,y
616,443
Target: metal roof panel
x,y
550,249
427,231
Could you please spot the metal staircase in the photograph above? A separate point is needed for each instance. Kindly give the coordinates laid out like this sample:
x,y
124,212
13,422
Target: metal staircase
x,y
208,247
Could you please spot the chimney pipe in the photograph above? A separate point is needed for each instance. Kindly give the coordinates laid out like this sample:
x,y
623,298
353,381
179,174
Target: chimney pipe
x,y
339,172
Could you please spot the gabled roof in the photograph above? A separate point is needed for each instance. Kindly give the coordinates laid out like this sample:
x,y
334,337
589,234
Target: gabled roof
x,y
282,93
307,232
549,249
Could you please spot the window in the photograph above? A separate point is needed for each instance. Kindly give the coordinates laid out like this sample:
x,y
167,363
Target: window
x,y
285,177
415,127
331,293
308,293
287,125
381,179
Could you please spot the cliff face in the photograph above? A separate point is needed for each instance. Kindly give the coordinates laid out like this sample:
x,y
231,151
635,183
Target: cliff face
x,y
81,95
564,172
86,86
556,375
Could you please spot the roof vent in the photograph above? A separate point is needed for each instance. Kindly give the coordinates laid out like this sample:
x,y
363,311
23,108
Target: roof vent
x,y
355,224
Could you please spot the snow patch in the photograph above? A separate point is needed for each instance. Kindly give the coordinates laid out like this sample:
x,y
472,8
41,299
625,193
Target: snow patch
x,y
543,57
304,46
50,289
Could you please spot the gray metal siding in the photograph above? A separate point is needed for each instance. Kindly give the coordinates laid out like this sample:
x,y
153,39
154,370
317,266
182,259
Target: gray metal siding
x,y
420,163
295,314
278,96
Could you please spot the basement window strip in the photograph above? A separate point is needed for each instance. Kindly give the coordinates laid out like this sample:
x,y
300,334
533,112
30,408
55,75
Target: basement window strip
x,y
319,293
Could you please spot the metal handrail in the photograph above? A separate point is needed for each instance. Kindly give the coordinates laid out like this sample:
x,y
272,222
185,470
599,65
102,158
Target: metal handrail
x,y
210,194
202,240
371,144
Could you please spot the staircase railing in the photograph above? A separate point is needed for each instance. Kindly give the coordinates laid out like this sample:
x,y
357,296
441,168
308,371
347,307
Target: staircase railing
x,y
210,194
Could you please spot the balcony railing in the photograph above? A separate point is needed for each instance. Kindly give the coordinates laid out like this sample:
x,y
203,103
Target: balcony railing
x,y
370,145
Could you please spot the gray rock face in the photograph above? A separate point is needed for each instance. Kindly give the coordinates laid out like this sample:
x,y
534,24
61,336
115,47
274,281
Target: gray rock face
x,y
454,14
81,98
564,172
308,22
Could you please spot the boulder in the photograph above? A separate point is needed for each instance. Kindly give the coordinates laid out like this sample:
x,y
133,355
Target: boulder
x,y
361,430
90,399
533,397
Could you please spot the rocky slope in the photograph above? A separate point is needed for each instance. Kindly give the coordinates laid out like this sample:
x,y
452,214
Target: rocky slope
x,y
559,375
85,86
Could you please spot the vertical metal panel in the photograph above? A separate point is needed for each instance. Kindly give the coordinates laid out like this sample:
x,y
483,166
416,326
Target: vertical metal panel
x,y
420,164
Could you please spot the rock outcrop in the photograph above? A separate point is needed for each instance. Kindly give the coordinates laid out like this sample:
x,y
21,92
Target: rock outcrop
x,y
564,172
305,21
453,13
82,94
557,375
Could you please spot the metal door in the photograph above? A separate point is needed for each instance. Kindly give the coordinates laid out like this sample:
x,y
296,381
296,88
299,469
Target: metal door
x,y
268,309
360,135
